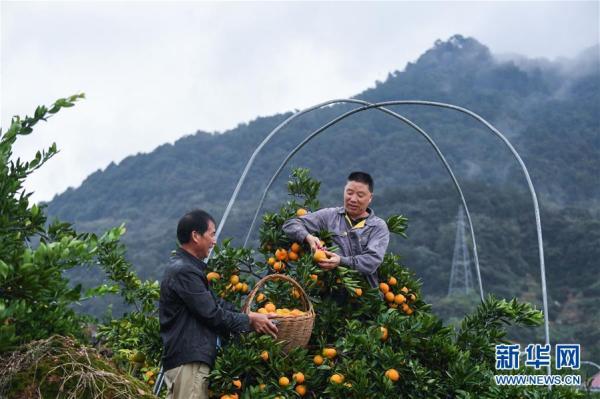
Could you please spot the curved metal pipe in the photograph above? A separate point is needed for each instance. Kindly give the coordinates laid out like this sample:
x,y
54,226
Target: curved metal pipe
x,y
408,122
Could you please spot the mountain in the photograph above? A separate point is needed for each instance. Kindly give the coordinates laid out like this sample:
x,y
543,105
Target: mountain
x,y
548,110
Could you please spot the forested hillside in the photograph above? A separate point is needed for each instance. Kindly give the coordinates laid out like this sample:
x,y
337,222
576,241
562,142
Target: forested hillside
x,y
548,110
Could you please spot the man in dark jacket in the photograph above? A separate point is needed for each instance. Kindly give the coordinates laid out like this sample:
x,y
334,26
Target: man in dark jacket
x,y
192,316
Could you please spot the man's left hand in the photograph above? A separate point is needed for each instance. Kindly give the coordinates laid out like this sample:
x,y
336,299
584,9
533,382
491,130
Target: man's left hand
x,y
332,262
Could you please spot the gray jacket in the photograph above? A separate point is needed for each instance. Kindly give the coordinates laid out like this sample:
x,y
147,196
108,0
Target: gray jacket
x,y
362,249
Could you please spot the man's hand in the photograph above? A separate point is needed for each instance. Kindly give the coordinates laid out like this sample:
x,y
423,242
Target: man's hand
x,y
314,242
332,262
262,323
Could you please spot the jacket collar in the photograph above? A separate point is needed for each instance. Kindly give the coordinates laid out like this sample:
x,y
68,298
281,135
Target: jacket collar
x,y
370,219
185,254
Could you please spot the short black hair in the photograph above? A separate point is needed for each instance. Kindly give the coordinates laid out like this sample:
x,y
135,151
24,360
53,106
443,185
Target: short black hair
x,y
196,220
362,177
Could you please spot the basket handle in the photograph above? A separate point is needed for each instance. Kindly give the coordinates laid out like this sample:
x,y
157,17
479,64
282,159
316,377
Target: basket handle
x,y
307,304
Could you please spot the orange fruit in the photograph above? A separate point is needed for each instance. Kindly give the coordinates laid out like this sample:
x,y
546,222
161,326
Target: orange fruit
x,y
284,381
383,287
281,254
393,305
261,297
337,378
392,281
293,256
300,390
393,375
233,396
234,279
318,360
239,287
404,290
399,299
319,256
262,386
314,277
298,377
295,293
389,296
295,247
237,384
270,307
262,310
384,333
226,397
271,261
213,276
412,297
358,291
301,212
279,266
329,353
264,355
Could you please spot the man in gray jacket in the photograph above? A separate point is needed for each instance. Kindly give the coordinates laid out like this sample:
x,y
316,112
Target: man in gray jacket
x,y
361,236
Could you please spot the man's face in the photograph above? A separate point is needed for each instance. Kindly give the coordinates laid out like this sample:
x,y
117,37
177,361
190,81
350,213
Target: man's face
x,y
204,242
357,198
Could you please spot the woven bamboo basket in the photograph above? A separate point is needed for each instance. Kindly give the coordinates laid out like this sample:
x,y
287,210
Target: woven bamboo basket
x,y
292,331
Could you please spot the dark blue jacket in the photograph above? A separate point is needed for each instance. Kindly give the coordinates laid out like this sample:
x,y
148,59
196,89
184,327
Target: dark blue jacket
x,y
191,315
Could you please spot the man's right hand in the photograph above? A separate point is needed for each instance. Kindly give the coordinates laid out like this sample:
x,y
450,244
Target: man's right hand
x,y
313,242
262,323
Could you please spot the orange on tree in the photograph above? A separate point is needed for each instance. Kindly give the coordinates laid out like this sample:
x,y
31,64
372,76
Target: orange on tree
x,y
404,290
298,377
284,381
318,360
301,212
392,281
262,386
300,390
234,279
392,374
383,287
384,333
412,297
399,299
239,287
314,277
264,355
389,296
295,293
358,291
293,256
237,384
281,254
337,378
296,247
213,276
329,353
271,261
279,266
260,297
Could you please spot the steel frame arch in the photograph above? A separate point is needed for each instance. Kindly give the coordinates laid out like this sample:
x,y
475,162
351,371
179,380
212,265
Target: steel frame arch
x,y
433,104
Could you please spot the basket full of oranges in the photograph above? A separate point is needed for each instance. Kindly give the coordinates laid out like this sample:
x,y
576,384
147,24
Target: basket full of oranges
x,y
294,326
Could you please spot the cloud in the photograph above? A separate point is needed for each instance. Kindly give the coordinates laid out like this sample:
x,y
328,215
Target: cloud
x,y
154,72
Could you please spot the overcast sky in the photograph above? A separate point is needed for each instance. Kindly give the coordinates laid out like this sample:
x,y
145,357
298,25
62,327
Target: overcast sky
x,y
153,72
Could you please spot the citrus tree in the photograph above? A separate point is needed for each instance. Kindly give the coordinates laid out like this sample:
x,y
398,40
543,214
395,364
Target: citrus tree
x,y
36,298
366,343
